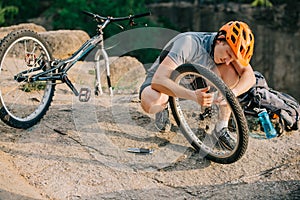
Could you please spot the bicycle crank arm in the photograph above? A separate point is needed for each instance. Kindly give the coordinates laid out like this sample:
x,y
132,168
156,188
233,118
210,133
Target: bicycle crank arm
x,y
66,80
84,94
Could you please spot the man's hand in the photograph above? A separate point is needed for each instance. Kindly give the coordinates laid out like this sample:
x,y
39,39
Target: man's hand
x,y
220,101
204,98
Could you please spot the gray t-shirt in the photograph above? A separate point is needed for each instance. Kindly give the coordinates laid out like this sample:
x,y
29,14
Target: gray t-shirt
x,y
189,47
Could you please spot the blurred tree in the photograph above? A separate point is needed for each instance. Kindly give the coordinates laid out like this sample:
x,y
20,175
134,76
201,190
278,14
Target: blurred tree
x,y
7,12
27,9
66,14
70,16
265,3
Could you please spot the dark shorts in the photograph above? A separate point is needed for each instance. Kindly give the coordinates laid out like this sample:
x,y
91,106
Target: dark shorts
x,y
146,83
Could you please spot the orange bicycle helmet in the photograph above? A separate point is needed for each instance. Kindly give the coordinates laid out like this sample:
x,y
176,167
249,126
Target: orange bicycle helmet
x,y
240,39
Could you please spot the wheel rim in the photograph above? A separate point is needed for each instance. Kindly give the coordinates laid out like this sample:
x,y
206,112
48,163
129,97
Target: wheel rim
x,y
21,100
200,132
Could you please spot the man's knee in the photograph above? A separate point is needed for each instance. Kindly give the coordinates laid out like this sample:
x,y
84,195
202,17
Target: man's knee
x,y
153,101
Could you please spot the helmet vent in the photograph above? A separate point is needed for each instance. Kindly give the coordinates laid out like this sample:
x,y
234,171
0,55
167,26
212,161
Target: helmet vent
x,y
238,25
248,49
235,31
244,35
241,49
233,39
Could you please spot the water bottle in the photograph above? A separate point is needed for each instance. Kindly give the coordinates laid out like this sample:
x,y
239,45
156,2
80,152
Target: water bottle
x,y
266,123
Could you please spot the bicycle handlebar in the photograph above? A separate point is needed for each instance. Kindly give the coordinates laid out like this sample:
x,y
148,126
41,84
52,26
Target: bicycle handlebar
x,y
115,19
140,15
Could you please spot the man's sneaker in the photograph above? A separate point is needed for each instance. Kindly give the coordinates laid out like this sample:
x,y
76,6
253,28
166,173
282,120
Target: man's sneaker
x,y
224,137
162,121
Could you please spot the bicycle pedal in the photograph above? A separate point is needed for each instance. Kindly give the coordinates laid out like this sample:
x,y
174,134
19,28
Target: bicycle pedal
x,y
84,94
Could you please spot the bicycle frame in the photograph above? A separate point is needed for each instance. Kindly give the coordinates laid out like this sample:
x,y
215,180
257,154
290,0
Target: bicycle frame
x,y
59,68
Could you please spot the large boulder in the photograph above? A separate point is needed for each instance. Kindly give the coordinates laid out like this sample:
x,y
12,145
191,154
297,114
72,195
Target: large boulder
x,y
6,30
127,73
64,43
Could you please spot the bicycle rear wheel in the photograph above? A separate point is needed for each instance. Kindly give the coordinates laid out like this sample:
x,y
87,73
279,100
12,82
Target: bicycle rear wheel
x,y
23,103
197,123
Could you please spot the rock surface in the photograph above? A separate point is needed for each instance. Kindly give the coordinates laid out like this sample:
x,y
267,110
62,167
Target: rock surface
x,y
63,43
78,151
6,30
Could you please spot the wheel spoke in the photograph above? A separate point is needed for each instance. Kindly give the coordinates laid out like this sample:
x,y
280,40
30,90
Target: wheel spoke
x,y
198,123
24,103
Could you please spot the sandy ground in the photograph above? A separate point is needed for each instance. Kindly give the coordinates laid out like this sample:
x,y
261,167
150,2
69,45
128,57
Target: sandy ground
x,y
78,151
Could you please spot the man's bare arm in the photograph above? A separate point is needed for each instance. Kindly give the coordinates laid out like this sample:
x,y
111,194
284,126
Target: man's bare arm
x,y
161,82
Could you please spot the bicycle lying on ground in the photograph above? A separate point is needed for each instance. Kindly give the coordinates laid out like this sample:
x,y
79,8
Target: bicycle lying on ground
x,y
29,73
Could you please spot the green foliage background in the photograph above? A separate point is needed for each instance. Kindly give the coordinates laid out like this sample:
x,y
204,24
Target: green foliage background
x,y
66,14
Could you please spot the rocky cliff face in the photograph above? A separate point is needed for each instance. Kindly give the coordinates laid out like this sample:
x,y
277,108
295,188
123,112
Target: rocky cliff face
x,y
276,30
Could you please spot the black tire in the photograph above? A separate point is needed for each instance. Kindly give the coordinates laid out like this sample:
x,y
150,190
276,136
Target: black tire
x,y
23,104
197,125
279,126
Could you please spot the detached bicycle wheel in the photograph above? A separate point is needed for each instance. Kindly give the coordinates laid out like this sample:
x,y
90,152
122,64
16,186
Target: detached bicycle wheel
x,y
197,123
22,102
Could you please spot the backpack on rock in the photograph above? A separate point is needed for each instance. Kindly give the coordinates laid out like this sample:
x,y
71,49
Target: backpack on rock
x,y
279,105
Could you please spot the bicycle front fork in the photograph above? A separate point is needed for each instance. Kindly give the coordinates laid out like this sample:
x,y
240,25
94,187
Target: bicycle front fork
x,y
98,87
85,93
